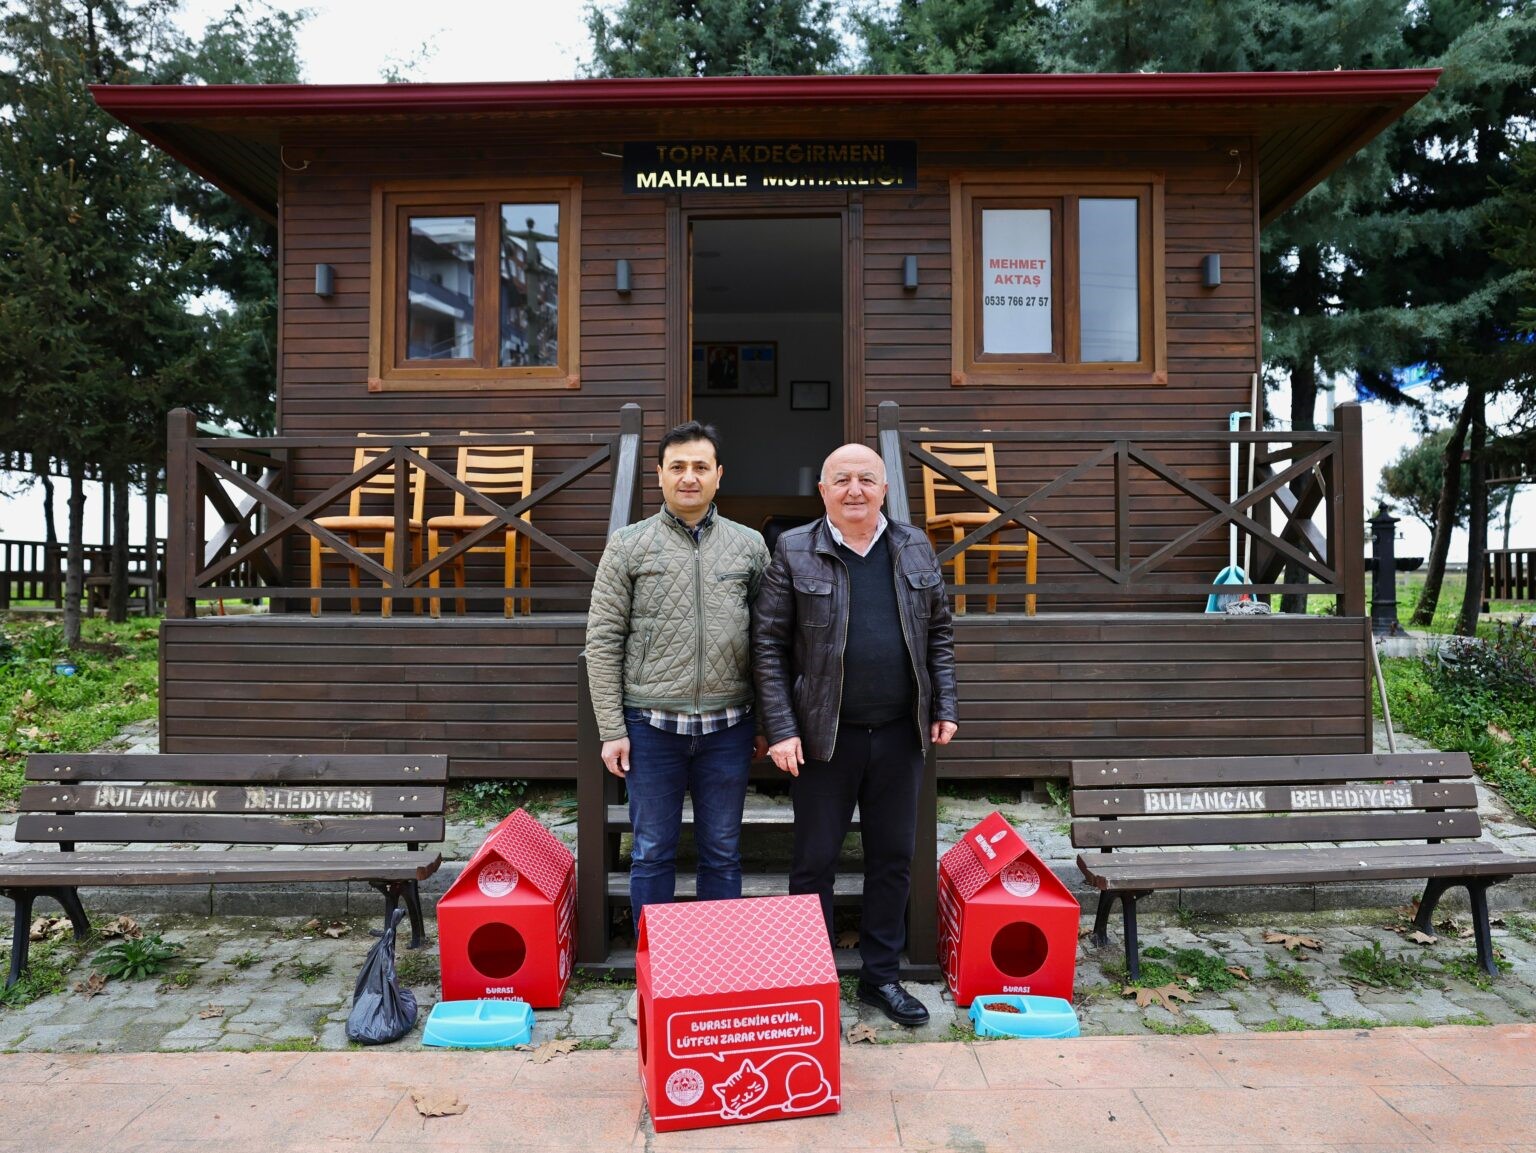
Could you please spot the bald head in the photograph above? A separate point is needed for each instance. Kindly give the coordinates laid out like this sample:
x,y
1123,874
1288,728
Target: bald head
x,y
853,489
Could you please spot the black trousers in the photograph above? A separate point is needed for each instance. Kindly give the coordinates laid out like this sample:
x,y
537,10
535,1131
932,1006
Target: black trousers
x,y
881,770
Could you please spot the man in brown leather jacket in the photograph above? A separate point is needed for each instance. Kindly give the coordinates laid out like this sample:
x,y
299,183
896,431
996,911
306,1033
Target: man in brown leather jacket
x,y
853,654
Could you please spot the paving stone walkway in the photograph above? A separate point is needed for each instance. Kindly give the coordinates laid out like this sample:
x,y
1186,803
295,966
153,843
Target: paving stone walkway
x,y
258,970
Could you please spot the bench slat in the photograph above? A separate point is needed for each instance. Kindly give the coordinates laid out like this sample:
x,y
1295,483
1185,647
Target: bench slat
x,y
1272,830
1141,871
1305,797
233,830
319,797
240,768
1186,771
193,867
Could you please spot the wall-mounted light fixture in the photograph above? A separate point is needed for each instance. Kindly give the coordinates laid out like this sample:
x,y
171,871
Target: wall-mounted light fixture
x,y
621,277
325,281
1210,270
909,273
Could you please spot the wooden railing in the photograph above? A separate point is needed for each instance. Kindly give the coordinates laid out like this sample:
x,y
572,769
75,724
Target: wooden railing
x,y
234,524
1509,574
33,570
1296,474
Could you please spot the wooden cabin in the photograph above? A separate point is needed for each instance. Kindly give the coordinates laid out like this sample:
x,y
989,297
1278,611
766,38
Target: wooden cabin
x,y
1056,270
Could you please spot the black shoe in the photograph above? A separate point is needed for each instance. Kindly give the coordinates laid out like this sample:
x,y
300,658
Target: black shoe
x,y
895,1002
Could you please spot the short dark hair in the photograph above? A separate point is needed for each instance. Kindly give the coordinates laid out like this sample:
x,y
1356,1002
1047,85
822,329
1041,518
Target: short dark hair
x,y
689,430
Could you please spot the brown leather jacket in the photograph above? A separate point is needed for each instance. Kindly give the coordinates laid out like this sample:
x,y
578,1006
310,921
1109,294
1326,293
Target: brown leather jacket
x,y
800,629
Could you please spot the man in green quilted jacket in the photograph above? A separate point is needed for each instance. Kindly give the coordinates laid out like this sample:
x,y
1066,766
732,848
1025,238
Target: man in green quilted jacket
x,y
668,661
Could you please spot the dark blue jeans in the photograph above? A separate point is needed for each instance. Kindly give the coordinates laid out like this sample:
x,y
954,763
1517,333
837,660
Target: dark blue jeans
x,y
712,769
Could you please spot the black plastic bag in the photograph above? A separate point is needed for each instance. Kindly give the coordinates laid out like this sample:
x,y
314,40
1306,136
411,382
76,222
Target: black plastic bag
x,y
381,1010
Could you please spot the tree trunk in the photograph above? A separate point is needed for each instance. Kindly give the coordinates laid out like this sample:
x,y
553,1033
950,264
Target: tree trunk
x,y
74,565
1509,511
117,594
52,590
1477,517
1303,406
1445,522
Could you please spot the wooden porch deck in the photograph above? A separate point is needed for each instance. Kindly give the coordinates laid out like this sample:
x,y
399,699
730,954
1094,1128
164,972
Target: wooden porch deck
x,y
499,696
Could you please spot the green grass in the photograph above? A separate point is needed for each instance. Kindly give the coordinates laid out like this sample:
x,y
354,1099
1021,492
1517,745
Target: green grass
x,y
292,1045
245,960
308,972
1189,1027
1465,968
416,967
116,683
584,980
48,969
1161,967
1288,977
1374,966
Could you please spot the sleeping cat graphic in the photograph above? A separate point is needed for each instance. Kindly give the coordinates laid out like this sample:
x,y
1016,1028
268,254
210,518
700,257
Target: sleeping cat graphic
x,y
789,1082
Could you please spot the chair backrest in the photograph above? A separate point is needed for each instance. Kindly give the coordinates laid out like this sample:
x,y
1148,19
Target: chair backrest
x,y
973,460
498,470
382,483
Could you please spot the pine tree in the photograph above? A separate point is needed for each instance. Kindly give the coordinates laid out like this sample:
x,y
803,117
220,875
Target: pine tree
x,y
713,38
953,36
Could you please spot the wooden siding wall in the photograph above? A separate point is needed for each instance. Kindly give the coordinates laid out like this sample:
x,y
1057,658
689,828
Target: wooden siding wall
x,y
499,697
1212,334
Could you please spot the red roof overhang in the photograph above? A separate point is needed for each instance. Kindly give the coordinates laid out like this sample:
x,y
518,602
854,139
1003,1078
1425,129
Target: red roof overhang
x,y
189,122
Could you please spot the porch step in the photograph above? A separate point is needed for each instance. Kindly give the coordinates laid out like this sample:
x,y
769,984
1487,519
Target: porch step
x,y
767,815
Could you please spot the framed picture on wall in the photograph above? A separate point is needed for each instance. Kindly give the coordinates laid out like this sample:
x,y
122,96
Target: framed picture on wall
x,y
747,368
810,394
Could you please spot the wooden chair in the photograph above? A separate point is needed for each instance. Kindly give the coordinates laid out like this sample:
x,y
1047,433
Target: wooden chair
x,y
496,470
357,526
977,463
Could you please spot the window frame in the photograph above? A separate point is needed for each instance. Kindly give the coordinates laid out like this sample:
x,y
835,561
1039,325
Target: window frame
x,y
971,194
394,202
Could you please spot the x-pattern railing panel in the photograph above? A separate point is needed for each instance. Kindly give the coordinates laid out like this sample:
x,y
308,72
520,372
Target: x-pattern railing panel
x,y
240,483
1304,458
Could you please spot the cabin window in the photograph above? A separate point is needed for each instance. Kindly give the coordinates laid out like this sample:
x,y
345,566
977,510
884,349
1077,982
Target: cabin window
x,y
475,286
1058,281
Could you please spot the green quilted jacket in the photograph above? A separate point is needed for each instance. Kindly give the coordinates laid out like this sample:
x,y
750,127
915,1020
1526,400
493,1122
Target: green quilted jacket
x,y
669,622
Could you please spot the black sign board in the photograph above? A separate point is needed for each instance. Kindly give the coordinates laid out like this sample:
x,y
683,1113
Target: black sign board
x,y
769,165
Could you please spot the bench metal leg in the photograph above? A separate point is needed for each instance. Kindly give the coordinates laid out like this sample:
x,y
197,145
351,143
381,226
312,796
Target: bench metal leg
x,y
413,907
411,891
21,932
1434,889
69,898
1100,936
1132,945
1477,896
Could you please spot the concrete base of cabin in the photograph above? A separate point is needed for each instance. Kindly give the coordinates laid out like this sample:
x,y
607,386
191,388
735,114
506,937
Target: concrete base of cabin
x,y
499,696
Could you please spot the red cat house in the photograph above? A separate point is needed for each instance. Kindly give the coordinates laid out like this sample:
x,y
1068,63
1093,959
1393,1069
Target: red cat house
x,y
506,927
738,1012
1006,922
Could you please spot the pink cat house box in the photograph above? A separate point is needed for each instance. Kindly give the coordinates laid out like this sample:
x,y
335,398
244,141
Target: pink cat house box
x,y
738,1012
507,927
1006,922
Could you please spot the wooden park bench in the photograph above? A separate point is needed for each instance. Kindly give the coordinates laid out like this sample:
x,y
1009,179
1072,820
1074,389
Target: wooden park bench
x,y
1357,816
305,809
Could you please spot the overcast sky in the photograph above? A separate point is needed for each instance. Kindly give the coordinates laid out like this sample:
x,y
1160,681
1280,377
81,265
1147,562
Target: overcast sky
x,y
353,41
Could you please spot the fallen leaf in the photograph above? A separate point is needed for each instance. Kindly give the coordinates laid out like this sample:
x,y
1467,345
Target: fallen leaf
x,y
1193,983
1292,941
1419,937
49,928
91,986
1239,972
862,1032
552,1049
437,1102
31,732
1164,995
28,700
125,927
336,930
848,939
1503,736
311,925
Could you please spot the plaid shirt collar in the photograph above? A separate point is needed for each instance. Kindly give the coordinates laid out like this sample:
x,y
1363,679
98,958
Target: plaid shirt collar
x,y
694,530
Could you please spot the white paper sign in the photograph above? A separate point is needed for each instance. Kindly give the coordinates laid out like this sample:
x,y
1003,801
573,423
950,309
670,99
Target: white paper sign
x,y
1016,280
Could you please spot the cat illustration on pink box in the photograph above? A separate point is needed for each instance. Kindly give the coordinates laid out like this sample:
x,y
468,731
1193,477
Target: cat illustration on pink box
x,y
788,1082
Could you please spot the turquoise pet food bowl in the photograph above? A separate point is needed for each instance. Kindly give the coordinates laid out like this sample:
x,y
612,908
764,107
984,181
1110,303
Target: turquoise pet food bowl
x,y
1025,1016
479,1024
